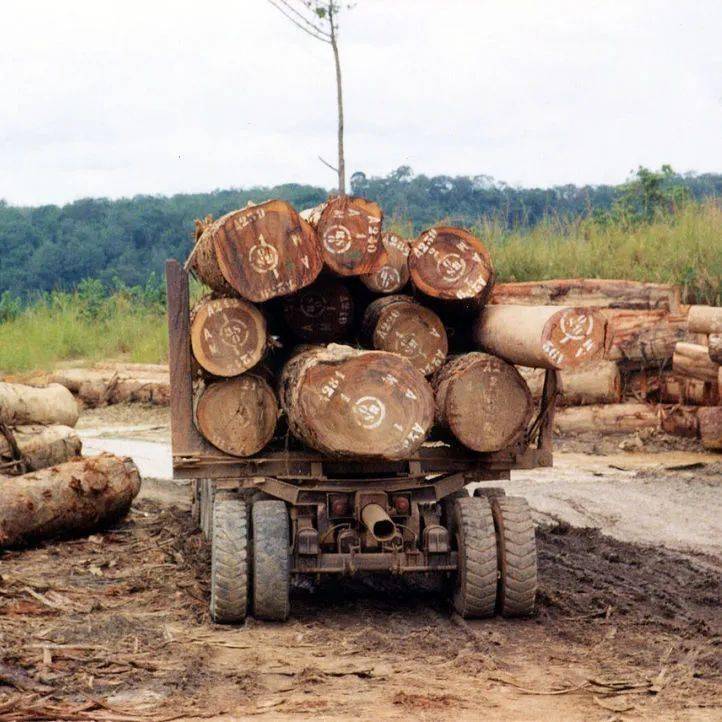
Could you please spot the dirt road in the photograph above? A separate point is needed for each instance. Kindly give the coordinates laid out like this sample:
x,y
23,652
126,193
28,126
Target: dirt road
x,y
116,626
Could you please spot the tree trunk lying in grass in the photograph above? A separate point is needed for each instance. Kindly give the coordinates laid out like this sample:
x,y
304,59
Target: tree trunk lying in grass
x,y
393,274
228,335
52,404
694,361
321,312
589,292
710,427
97,386
349,233
483,401
259,252
595,383
450,263
38,447
400,325
705,319
714,348
75,497
238,415
346,402
541,336
606,418
668,387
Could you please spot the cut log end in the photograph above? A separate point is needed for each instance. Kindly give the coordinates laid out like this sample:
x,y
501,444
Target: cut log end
x,y
705,319
321,312
393,274
710,427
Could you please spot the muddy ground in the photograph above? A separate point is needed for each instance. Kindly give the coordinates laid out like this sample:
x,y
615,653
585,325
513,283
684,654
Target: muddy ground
x,y
116,626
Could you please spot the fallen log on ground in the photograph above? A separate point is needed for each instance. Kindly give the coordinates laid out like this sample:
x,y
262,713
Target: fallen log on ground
x,y
606,418
112,385
238,415
259,252
228,335
595,383
642,337
321,312
714,348
71,498
705,319
400,325
36,447
52,404
693,360
594,292
349,233
451,264
541,336
710,427
483,401
393,274
668,387
346,402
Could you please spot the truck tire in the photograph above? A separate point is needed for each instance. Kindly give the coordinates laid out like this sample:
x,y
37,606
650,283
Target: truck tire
x,y
271,561
475,583
516,552
229,559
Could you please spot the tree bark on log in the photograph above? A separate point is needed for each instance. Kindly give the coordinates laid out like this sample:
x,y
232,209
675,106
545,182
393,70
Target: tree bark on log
x,y
52,404
705,319
259,252
72,498
450,263
483,401
710,427
228,336
400,325
595,383
346,402
692,360
589,292
680,421
669,388
238,415
541,336
98,386
393,274
349,232
642,337
40,446
321,312
714,347
606,418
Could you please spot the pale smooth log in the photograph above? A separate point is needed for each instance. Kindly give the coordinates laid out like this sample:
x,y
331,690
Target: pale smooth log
x,y
595,383
393,274
710,427
450,263
228,335
75,497
40,446
668,387
714,347
705,319
349,233
643,337
483,401
541,336
606,418
259,252
594,292
52,404
680,421
350,403
401,325
693,360
113,385
321,312
237,415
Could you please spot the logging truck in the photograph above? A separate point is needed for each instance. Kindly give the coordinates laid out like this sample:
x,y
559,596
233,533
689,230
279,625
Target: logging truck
x,y
288,509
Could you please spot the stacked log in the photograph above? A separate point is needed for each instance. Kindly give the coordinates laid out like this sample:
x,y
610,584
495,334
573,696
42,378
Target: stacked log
x,y
710,427
320,313
714,347
52,404
643,338
599,382
393,273
606,418
693,361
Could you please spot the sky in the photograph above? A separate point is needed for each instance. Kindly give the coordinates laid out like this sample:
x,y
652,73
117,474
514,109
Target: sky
x,y
154,97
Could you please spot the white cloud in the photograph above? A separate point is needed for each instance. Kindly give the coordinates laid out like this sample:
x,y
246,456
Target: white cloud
x,y
107,99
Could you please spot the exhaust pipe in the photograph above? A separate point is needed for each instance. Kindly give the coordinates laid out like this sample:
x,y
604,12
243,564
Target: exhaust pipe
x,y
378,522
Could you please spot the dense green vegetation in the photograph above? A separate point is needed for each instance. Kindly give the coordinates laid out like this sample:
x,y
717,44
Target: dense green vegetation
x,y
121,243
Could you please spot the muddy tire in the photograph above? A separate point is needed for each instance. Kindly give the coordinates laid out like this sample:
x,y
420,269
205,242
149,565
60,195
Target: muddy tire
x,y
271,561
516,552
475,583
229,559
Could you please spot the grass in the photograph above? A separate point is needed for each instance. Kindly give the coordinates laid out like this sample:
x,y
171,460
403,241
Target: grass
x,y
130,325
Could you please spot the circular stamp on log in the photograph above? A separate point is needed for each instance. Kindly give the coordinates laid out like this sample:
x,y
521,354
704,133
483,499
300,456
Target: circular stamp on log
x,y
321,312
238,415
400,325
345,402
572,337
393,274
228,336
450,263
349,230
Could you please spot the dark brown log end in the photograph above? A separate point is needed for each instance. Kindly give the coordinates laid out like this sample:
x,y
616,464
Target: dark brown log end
x,y
393,274
321,312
